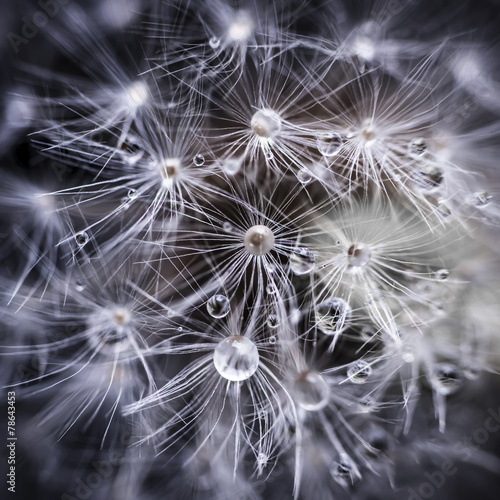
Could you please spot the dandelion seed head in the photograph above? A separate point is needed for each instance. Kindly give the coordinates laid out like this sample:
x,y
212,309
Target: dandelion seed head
x,y
169,170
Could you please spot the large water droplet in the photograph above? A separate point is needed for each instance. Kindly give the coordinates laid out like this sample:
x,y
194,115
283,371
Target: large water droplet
x,y
446,378
259,240
311,391
266,123
329,143
199,160
302,261
214,42
359,371
428,178
417,148
81,238
304,176
80,284
333,316
218,306
273,321
358,254
236,358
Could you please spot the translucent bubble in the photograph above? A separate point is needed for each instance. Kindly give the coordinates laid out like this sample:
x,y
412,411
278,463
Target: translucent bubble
x,y
333,316
417,147
236,358
342,472
302,261
169,170
442,274
81,238
218,306
428,178
358,255
132,194
80,284
269,155
273,321
481,199
199,160
214,42
259,240
359,371
304,176
266,123
272,339
311,391
329,143
446,378
231,166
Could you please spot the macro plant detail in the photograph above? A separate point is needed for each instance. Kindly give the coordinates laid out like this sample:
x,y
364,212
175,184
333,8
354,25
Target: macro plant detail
x,y
250,249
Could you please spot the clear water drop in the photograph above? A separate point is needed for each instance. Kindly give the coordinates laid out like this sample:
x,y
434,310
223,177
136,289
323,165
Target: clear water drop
x,y
266,123
302,261
218,306
417,148
359,371
80,284
304,176
408,356
132,194
272,339
311,391
214,42
481,199
231,166
236,358
329,143
269,155
358,255
446,379
428,178
81,238
259,240
199,160
333,316
273,321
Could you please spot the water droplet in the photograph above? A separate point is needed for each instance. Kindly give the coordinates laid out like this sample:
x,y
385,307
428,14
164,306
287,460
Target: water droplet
x,y
231,166
417,147
304,176
481,199
199,160
132,194
228,227
428,178
218,306
408,355
446,379
269,155
214,42
81,238
333,316
442,274
329,143
358,255
236,358
311,391
359,371
342,472
302,261
259,240
266,123
80,284
272,339
273,321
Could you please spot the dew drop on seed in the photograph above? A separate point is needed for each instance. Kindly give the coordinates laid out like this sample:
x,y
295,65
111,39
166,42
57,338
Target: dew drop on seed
x,y
333,316
132,194
269,155
266,123
428,178
81,238
481,199
417,147
311,391
302,261
272,339
304,176
231,166
259,240
446,379
358,255
359,371
329,143
199,160
218,306
80,284
236,358
273,321
442,274
214,42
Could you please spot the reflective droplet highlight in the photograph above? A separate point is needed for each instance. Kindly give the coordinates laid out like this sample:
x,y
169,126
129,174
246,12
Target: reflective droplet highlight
x,y
329,143
81,238
359,371
199,160
218,306
302,261
333,316
358,255
311,391
236,358
266,123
